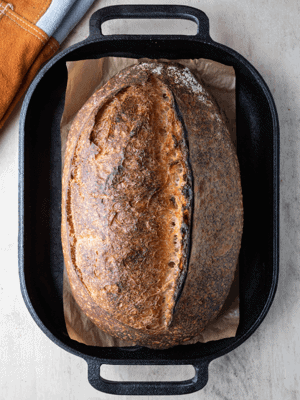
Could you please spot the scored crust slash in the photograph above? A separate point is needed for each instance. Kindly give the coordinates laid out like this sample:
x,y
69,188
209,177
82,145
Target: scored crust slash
x,y
152,212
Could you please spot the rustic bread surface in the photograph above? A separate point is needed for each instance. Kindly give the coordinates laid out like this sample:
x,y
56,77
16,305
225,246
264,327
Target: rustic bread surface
x,y
152,206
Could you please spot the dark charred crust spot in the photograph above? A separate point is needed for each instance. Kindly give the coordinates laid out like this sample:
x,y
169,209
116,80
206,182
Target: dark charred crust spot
x,y
172,164
175,141
118,118
173,202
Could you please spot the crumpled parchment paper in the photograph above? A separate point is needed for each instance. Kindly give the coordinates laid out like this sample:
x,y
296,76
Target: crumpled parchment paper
x,y
84,78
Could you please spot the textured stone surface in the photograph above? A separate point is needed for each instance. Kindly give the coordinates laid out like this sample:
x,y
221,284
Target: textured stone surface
x,y
266,366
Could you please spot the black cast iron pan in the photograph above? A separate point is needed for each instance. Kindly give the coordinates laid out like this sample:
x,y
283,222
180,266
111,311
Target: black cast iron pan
x,y
40,252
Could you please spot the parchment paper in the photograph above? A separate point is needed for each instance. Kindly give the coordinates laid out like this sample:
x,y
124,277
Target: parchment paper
x,y
84,78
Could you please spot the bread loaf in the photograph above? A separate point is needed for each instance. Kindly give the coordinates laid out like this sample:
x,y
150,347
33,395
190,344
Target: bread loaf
x,y
152,209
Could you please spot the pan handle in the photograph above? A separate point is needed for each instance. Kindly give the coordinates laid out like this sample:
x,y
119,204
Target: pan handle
x,y
147,388
151,12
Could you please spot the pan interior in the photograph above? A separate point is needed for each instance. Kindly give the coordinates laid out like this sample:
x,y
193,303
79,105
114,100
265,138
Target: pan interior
x,y
42,270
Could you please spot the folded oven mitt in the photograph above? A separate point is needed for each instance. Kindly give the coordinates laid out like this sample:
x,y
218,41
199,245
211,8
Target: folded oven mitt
x,y
31,32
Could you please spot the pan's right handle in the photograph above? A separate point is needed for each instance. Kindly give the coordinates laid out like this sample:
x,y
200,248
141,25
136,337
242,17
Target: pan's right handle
x,y
147,388
151,12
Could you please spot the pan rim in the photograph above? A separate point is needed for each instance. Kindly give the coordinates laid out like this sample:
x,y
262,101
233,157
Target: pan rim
x,y
238,340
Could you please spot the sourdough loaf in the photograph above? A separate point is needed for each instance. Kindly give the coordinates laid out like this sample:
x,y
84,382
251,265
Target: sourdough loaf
x,y
151,207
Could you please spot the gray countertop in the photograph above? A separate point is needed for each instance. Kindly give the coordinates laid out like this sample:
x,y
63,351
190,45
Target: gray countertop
x,y
266,366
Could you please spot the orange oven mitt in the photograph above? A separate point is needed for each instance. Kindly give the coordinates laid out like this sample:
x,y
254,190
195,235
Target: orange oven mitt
x,y
30,34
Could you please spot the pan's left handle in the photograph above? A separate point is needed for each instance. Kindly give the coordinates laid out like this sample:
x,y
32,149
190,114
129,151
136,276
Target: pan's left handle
x,y
146,11
147,388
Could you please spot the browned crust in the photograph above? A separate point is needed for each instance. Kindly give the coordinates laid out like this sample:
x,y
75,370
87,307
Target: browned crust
x,y
217,217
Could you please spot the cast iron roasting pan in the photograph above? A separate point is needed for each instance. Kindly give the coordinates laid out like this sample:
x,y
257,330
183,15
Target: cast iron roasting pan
x,y
40,252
